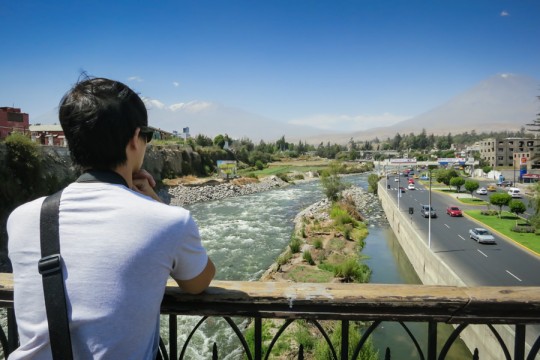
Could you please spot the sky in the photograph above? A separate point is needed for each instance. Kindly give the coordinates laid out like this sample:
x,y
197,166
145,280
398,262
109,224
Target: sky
x,y
336,64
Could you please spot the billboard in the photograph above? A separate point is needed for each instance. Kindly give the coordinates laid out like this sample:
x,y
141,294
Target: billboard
x,y
452,161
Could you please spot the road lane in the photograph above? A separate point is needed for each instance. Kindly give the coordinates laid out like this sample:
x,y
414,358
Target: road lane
x,y
501,264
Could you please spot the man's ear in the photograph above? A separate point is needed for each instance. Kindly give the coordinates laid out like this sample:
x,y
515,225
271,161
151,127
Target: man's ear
x,y
135,141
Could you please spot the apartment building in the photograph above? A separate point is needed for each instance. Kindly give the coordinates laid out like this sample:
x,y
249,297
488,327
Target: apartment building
x,y
508,152
12,120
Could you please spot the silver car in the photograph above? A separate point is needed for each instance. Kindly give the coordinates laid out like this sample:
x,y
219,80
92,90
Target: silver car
x,y
482,236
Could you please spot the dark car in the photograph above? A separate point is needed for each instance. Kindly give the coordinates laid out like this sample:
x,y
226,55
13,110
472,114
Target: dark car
x,y
453,211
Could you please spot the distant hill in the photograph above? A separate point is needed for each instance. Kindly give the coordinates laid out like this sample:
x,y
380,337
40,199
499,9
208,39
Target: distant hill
x,y
501,102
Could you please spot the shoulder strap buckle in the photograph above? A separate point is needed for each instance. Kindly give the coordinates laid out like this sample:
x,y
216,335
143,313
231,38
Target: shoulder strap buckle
x,y
50,264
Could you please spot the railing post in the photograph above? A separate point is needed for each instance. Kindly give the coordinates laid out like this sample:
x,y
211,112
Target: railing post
x,y
432,341
519,342
258,338
344,339
173,337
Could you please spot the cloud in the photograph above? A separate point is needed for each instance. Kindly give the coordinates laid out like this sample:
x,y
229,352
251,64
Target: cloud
x,y
505,13
345,123
192,106
176,84
135,78
152,103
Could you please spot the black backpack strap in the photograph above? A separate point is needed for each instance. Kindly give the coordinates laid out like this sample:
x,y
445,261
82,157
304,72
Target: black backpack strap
x,y
50,267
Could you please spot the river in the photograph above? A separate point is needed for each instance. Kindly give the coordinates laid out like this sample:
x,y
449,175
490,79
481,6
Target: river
x,y
244,236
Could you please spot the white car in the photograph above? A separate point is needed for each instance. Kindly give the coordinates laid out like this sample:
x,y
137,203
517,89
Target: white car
x,y
482,191
482,236
411,187
396,179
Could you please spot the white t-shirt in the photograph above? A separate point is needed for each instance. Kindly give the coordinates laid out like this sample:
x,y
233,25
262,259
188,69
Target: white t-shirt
x,y
119,248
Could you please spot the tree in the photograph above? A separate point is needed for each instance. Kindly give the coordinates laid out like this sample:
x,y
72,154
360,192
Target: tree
x,y
471,185
373,181
517,207
458,182
331,182
487,169
445,175
219,140
500,200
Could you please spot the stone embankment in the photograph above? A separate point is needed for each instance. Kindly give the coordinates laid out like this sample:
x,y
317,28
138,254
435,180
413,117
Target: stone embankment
x,y
184,195
367,204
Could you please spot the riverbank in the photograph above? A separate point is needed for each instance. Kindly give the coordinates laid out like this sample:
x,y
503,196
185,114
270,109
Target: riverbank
x,y
181,195
324,238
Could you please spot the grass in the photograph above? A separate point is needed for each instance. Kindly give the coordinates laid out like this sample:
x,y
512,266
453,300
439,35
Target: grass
x,y
504,225
472,201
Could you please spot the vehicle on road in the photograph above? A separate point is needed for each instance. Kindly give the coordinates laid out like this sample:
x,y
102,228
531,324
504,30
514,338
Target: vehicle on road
x,y
453,211
411,181
427,211
514,192
396,179
401,189
482,236
411,186
424,177
482,191
506,183
492,187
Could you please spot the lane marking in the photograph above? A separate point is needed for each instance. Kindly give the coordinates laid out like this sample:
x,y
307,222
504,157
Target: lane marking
x,y
447,226
481,252
462,238
518,279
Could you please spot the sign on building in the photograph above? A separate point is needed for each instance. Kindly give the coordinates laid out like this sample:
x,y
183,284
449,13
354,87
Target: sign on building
x,y
226,168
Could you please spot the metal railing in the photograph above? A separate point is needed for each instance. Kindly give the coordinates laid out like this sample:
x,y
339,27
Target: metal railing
x,y
372,304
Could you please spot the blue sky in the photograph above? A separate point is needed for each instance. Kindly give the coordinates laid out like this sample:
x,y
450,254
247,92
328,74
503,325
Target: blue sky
x,y
340,62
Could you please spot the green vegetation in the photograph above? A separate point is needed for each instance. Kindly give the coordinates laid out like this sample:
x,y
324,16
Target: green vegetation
x,y
504,225
295,244
457,182
471,186
322,350
373,181
331,182
500,200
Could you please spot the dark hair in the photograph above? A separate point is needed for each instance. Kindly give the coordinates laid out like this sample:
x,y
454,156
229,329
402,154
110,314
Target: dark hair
x,y
98,117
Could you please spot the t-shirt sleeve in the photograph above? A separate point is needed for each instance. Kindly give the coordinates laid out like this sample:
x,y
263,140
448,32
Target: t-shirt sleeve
x,y
191,257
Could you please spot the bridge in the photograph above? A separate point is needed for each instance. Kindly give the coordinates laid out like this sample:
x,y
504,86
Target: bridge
x,y
372,304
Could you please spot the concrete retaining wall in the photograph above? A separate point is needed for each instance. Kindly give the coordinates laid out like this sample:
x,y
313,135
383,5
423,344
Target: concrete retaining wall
x,y
432,270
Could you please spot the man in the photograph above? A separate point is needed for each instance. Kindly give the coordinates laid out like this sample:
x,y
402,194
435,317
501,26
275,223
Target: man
x,y
118,242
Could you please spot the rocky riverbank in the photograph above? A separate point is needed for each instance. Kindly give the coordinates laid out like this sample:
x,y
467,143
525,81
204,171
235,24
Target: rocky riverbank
x,y
367,205
181,195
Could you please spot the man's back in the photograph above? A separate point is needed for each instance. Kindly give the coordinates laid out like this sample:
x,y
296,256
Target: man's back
x,y
119,248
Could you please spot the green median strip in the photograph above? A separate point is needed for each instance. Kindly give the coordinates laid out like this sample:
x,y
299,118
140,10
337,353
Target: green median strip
x,y
504,225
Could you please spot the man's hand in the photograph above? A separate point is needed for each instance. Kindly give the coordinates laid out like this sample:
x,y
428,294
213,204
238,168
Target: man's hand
x,y
144,183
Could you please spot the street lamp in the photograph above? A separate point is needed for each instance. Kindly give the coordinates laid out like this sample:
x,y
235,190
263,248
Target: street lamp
x,y
430,169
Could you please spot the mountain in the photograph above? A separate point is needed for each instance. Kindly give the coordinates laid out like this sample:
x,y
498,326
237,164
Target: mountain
x,y
501,102
211,119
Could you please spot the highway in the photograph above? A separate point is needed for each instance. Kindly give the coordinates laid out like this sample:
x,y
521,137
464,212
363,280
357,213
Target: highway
x,y
502,264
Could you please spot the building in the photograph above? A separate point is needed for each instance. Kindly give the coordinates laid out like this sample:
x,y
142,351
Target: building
x,y
51,135
12,120
507,152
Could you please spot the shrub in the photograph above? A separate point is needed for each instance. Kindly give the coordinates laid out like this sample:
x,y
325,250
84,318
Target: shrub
x,y
351,270
283,176
299,177
489,212
295,245
308,258
282,259
259,165
523,229
317,243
